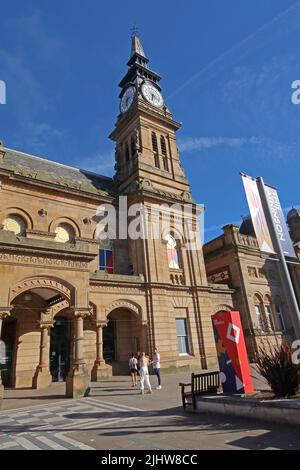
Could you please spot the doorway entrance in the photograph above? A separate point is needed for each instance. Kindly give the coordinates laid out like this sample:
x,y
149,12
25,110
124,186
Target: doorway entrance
x,y
122,336
109,346
8,335
60,349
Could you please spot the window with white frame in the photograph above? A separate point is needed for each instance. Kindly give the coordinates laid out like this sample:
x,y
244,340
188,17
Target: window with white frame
x,y
182,336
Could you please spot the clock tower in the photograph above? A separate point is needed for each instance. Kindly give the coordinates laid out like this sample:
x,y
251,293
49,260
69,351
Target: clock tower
x,y
149,173
146,154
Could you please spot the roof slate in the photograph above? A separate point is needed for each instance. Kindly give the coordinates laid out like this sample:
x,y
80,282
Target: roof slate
x,y
48,171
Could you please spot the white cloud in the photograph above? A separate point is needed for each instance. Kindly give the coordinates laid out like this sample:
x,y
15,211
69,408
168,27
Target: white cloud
x,y
102,164
202,143
278,27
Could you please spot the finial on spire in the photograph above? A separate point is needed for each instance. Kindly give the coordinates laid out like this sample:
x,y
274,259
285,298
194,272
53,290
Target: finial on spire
x,y
135,31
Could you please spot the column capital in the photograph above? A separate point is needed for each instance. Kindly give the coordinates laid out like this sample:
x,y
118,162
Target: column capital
x,y
45,324
82,312
101,323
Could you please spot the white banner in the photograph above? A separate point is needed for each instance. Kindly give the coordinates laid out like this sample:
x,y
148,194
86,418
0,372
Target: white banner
x,y
257,215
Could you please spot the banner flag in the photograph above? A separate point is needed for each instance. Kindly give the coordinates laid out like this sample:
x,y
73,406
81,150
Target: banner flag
x,y
277,215
257,215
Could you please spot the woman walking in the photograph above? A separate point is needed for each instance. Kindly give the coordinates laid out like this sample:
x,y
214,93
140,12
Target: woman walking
x,y
144,373
133,369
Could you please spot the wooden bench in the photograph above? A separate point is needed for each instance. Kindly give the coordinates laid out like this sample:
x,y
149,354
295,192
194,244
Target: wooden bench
x,y
201,384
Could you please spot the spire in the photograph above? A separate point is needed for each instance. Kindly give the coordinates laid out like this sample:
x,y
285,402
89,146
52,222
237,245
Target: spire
x,y
136,46
138,69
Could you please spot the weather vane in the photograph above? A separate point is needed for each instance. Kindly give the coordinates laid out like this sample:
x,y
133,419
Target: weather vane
x,y
135,31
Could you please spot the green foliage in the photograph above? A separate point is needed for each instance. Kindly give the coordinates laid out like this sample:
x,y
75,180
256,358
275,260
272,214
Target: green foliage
x,y
277,367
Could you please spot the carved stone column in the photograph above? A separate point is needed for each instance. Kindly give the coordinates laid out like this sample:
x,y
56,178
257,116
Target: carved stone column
x,y
4,312
78,381
101,370
42,377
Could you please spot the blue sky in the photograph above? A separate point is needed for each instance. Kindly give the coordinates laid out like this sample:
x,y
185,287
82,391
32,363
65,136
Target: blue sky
x,y
227,70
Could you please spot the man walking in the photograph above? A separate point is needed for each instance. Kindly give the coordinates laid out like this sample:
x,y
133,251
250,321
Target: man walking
x,y
156,367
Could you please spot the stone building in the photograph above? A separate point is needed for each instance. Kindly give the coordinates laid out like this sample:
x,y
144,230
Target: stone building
x,y
72,307
235,259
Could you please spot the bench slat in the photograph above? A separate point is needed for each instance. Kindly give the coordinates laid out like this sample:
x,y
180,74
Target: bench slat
x,y
201,384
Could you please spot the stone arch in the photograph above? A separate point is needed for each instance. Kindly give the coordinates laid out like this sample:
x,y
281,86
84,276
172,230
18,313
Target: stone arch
x,y
175,232
58,285
258,298
20,212
59,307
268,299
65,220
223,308
127,304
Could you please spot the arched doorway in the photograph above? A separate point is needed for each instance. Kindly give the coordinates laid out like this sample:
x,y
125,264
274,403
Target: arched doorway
x,y
123,335
109,341
34,304
8,335
60,348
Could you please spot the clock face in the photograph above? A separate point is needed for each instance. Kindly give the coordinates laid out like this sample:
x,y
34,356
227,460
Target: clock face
x,y
127,99
152,95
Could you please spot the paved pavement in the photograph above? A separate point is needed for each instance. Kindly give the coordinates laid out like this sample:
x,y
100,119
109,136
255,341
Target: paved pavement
x,y
116,416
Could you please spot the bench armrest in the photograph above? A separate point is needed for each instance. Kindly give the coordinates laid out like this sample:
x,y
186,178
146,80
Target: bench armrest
x,y
184,385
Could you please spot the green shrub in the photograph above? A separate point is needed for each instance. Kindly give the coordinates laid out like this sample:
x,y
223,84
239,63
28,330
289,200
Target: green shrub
x,y
277,368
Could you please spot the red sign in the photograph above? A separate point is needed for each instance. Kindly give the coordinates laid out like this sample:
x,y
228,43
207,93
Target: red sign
x,y
232,353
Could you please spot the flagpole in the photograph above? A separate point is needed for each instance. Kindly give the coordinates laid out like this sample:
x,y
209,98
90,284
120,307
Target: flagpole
x,y
284,271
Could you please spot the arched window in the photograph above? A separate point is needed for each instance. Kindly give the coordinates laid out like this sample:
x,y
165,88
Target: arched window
x,y
172,252
269,313
259,311
16,224
164,153
106,256
155,149
64,233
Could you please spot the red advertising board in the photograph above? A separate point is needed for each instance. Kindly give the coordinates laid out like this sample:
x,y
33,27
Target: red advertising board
x,y
232,354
